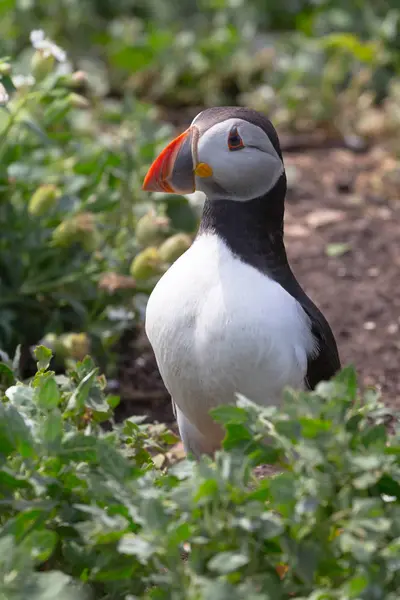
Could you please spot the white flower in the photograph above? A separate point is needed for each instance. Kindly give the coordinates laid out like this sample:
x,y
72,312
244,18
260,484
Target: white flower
x,y
36,37
3,95
23,80
46,46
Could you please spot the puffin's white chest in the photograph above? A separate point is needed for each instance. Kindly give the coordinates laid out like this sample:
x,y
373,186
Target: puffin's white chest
x,y
218,326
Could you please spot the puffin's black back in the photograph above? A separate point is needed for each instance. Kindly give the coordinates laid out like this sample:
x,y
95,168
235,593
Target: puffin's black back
x,y
253,230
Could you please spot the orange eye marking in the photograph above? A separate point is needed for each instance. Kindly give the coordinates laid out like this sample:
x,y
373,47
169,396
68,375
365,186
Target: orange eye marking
x,y
235,142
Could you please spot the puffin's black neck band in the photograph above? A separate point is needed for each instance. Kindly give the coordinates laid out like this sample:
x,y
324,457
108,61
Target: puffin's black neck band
x,y
253,230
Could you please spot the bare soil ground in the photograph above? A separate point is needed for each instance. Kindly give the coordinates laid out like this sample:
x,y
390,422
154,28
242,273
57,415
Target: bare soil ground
x,y
343,241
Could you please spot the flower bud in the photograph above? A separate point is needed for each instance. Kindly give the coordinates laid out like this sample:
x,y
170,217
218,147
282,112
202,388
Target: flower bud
x,y
5,68
42,64
151,229
78,101
174,247
146,264
43,200
77,345
79,78
80,229
64,234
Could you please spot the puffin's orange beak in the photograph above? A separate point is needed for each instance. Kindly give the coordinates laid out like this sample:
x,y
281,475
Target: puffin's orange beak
x,y
173,170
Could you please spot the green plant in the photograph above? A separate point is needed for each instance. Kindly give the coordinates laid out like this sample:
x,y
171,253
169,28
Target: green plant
x,y
70,199
86,511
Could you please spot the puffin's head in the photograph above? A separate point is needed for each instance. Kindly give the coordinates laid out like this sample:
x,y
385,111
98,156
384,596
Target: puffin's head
x,y
227,153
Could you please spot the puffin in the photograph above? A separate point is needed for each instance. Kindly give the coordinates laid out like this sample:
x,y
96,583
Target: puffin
x,y
229,316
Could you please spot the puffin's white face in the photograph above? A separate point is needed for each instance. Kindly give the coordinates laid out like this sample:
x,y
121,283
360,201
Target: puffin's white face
x,y
243,163
233,159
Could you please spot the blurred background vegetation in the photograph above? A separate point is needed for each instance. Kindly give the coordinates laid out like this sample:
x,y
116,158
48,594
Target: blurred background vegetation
x,y
81,245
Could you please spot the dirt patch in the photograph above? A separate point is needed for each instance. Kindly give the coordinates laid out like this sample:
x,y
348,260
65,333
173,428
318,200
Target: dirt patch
x,y
343,240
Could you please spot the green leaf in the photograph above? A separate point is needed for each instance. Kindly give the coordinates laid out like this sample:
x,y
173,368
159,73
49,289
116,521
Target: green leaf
x,y
272,525
389,486
113,401
43,356
221,590
37,130
112,462
364,51
207,489
132,58
229,414
48,394
15,432
80,447
9,482
311,428
168,437
116,574
80,395
7,378
355,587
227,562
283,492
21,396
25,522
55,584
40,544
237,435
135,545
368,462
376,435
379,525
6,80
362,550
366,480
348,377
290,429
52,429
308,554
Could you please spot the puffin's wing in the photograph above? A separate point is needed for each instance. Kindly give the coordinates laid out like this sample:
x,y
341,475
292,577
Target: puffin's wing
x,y
325,362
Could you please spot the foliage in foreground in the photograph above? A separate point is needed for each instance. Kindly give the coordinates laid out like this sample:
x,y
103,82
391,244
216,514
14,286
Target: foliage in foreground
x,y
93,512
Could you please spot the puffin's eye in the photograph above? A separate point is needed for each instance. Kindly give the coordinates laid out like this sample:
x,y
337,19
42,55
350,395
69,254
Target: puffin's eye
x,y
235,142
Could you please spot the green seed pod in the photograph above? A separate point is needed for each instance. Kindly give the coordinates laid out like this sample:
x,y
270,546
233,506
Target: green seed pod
x,y
174,247
77,345
151,229
65,234
5,68
78,101
80,229
146,264
42,64
43,200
